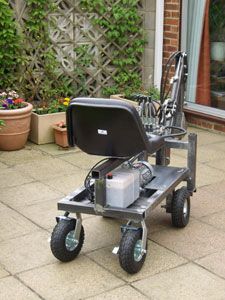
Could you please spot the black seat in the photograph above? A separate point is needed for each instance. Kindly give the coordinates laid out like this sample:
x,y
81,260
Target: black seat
x,y
108,128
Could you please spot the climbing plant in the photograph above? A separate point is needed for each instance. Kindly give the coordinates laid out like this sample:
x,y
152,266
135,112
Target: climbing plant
x,y
10,54
121,23
40,78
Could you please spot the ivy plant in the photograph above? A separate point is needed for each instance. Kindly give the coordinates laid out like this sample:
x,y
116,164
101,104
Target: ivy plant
x,y
10,54
121,24
40,79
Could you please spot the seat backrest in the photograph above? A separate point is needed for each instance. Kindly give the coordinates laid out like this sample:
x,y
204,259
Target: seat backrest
x,y
105,127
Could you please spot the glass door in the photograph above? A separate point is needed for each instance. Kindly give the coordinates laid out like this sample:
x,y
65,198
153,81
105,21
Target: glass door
x,y
217,53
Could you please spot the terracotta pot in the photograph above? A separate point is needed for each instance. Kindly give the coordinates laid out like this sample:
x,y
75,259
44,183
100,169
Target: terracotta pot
x,y
14,134
41,127
60,136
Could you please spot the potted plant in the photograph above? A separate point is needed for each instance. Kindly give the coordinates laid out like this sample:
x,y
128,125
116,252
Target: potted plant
x,y
16,115
42,119
2,123
60,134
152,91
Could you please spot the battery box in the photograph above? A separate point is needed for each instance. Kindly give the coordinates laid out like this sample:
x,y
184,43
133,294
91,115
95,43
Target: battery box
x,y
122,188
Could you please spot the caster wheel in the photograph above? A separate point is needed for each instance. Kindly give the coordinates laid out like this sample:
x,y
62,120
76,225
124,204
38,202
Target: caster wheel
x,y
131,257
63,244
180,210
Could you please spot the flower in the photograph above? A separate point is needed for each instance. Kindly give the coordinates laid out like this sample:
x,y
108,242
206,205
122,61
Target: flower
x,y
57,105
11,100
18,100
61,124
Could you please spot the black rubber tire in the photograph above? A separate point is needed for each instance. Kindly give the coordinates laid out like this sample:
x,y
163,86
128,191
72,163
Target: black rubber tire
x,y
179,219
126,252
58,241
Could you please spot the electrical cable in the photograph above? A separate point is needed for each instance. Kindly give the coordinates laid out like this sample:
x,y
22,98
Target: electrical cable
x,y
183,132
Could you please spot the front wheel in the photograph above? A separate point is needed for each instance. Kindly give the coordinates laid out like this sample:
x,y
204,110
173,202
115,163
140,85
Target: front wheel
x,y
131,255
63,244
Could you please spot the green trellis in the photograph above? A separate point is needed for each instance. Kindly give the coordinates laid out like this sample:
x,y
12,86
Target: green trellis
x,y
75,28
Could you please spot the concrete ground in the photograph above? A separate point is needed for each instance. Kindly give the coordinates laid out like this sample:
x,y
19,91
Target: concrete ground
x,y
181,263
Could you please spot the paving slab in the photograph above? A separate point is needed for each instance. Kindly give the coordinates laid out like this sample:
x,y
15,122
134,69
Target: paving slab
x,y
192,242
12,288
208,175
205,153
122,293
206,138
2,207
82,160
13,224
218,164
44,213
53,149
208,200
75,280
10,177
22,156
185,282
100,232
214,262
67,183
28,194
3,166
158,259
220,146
31,251
47,168
3,272
217,220
158,219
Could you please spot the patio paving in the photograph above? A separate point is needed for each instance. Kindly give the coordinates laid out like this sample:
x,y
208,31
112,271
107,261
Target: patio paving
x,y
181,263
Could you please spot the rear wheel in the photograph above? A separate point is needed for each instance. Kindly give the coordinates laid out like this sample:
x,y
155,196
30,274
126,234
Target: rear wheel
x,y
180,210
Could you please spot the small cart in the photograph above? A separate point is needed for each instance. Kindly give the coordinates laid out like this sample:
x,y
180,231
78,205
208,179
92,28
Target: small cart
x,y
124,185
113,129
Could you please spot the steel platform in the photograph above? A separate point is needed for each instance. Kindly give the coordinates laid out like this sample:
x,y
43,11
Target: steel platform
x,y
164,182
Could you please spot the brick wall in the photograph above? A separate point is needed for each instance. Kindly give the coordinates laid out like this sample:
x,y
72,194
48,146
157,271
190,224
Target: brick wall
x,y
171,28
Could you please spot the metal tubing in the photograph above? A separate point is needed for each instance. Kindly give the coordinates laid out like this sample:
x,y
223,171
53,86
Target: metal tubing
x,y
100,195
191,161
106,167
78,227
144,236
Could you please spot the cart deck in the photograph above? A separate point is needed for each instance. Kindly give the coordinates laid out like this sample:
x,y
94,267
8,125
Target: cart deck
x,y
164,182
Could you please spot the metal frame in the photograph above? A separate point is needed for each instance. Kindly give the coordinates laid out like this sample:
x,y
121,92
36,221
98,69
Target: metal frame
x,y
162,186
166,180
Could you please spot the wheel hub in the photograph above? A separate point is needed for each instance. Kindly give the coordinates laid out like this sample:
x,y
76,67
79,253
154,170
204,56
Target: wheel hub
x,y
70,241
185,208
138,253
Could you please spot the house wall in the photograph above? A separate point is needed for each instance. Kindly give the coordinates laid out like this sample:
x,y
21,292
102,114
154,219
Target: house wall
x,y
149,11
171,38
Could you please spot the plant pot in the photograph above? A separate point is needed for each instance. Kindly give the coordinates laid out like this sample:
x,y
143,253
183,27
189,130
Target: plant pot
x,y
218,51
60,135
121,97
41,127
14,134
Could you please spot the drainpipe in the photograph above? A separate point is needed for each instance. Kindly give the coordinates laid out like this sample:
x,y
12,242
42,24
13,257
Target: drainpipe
x,y
159,22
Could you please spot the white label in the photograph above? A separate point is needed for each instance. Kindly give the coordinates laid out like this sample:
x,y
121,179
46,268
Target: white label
x,y
102,132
